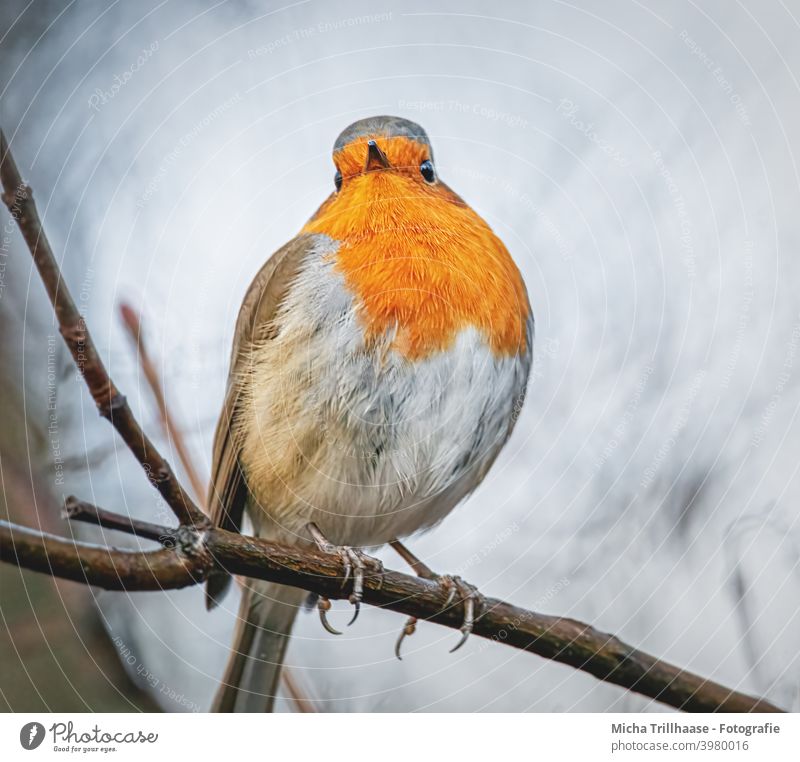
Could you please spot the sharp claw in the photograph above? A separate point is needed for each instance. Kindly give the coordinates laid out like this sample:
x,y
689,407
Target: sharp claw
x,y
408,629
465,634
453,586
324,605
353,561
357,603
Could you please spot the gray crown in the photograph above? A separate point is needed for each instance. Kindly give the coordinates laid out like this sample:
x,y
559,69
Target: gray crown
x,y
390,126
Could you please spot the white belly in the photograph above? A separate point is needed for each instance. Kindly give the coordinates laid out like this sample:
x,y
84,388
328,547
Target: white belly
x,y
366,444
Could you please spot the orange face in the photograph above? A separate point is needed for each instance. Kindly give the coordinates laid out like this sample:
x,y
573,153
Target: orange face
x,y
418,259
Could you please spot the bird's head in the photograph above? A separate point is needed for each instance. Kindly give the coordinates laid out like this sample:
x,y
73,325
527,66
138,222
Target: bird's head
x,y
416,254
383,162
381,152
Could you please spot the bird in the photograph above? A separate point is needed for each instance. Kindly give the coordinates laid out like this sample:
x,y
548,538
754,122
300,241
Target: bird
x,y
379,363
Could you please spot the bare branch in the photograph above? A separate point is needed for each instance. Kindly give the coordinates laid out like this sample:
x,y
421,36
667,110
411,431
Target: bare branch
x,y
108,568
563,640
133,324
111,404
78,510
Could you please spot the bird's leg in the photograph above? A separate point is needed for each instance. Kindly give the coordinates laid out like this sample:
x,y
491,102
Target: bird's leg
x,y
468,595
421,569
355,562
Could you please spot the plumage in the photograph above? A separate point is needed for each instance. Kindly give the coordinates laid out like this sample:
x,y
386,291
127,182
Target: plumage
x,y
228,491
378,363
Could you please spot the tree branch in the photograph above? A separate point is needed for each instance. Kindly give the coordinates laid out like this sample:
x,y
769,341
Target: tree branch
x,y
196,548
107,568
111,404
197,553
78,510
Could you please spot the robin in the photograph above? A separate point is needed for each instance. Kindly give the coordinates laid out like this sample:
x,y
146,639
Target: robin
x,y
379,362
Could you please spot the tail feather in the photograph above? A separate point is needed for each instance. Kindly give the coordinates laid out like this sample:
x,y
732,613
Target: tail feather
x,y
266,615
216,587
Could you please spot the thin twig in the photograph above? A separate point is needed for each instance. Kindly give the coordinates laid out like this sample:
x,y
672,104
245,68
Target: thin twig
x,y
173,432
79,510
563,640
299,699
111,404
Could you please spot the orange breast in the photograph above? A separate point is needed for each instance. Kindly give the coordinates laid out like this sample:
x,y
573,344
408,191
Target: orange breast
x,y
421,262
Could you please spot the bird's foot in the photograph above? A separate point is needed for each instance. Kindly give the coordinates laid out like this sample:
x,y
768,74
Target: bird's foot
x,y
409,628
356,563
467,595
324,606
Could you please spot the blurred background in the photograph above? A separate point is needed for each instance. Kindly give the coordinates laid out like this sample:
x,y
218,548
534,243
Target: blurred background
x,y
638,160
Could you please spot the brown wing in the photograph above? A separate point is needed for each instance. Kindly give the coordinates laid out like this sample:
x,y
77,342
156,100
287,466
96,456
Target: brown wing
x,y
227,495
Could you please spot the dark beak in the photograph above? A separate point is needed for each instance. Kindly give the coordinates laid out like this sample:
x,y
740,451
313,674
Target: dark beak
x,y
376,159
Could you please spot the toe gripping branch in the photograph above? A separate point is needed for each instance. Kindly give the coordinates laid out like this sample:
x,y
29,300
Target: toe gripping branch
x,y
355,563
468,596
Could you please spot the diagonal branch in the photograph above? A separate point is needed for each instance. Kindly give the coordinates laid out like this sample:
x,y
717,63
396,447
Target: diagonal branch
x,y
111,404
133,325
196,553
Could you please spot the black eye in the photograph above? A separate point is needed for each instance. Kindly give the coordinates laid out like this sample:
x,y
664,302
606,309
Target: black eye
x,y
426,170
337,180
